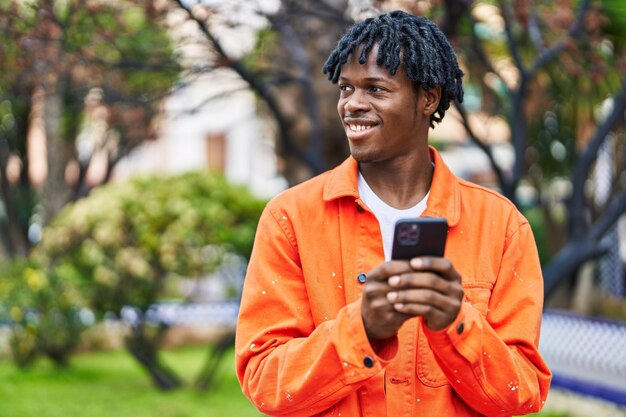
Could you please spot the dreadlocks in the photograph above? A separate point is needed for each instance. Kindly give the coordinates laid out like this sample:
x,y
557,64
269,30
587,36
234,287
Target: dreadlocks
x,y
413,41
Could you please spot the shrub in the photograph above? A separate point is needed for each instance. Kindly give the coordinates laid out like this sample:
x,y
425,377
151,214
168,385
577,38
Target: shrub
x,y
43,311
125,240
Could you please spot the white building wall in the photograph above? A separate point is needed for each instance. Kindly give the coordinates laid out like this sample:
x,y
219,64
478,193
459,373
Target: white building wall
x,y
182,145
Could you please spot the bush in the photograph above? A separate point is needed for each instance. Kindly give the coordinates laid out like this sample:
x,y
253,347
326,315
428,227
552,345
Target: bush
x,y
44,313
122,243
124,240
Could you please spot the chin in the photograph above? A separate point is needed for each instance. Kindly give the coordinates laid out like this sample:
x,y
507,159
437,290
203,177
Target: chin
x,y
361,155
363,161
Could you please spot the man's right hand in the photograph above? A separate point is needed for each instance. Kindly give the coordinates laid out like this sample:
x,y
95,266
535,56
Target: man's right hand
x,y
380,318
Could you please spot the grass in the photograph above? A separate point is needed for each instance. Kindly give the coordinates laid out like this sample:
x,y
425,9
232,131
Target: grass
x,y
110,383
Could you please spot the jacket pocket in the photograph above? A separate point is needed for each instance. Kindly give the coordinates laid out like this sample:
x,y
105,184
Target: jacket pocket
x,y
427,368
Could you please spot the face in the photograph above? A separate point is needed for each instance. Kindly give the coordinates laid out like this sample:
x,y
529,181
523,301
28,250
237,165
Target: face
x,y
384,116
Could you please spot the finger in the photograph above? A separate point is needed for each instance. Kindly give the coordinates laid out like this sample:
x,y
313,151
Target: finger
x,y
414,310
423,297
426,280
374,290
440,266
384,271
431,304
434,318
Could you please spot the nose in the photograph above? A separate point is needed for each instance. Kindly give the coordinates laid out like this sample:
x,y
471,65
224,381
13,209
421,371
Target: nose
x,y
357,101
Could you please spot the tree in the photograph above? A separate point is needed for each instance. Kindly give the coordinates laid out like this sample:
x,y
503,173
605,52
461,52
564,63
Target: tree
x,y
556,54
56,55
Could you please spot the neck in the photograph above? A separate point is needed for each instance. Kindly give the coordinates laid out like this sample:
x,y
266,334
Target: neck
x,y
401,183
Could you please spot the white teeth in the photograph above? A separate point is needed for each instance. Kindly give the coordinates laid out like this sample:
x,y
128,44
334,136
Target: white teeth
x,y
358,128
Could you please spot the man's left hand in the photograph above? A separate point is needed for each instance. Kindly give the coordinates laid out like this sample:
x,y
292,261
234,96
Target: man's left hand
x,y
432,290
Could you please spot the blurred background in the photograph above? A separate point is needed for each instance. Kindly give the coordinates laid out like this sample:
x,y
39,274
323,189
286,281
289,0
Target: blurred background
x,y
140,140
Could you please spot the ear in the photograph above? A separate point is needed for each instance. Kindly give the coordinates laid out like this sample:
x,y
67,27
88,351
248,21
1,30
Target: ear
x,y
431,99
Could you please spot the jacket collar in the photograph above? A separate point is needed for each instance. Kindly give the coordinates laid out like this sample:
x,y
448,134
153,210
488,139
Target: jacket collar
x,y
444,199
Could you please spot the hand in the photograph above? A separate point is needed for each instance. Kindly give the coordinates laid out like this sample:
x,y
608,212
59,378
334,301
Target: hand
x,y
380,319
432,289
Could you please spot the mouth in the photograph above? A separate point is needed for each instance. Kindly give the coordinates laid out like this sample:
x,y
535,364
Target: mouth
x,y
355,129
358,127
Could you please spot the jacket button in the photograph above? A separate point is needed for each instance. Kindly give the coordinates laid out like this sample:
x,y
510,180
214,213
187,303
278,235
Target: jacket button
x,y
460,327
368,362
361,278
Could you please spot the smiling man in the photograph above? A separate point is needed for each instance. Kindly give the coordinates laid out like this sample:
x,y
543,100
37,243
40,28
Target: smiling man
x,y
329,324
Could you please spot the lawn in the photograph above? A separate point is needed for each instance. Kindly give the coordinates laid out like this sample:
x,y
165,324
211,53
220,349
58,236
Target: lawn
x,y
105,384
110,383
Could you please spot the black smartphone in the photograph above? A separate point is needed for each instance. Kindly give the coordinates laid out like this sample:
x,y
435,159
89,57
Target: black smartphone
x,y
421,236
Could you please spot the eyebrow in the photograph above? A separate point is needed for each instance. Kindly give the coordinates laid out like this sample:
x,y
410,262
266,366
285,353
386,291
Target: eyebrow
x,y
370,79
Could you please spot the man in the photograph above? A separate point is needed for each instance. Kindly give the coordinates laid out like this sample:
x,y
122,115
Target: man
x,y
328,324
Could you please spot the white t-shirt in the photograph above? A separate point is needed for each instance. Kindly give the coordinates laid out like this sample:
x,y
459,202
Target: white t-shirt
x,y
387,215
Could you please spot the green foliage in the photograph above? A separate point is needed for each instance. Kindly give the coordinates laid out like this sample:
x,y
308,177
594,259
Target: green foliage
x,y
538,225
265,46
141,62
552,144
126,239
43,310
616,27
119,55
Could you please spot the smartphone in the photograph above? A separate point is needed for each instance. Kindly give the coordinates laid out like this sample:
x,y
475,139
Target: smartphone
x,y
421,236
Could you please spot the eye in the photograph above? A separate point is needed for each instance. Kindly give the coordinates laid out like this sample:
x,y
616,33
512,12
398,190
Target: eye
x,y
376,89
344,87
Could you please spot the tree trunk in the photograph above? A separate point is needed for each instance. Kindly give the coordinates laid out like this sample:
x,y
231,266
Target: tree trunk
x,y
567,262
55,193
206,377
144,349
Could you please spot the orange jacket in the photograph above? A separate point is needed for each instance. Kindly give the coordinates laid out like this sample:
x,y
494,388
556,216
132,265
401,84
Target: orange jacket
x,y
301,347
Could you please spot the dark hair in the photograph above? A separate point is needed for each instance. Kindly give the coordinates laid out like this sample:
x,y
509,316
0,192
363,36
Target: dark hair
x,y
413,41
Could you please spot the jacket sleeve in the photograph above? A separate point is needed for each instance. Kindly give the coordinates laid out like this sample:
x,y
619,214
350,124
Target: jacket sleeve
x,y
493,363
285,363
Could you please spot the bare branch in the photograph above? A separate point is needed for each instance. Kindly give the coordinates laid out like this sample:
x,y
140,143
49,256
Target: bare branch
x,y
534,32
586,159
508,30
567,262
257,86
198,107
615,209
584,248
293,45
574,31
486,149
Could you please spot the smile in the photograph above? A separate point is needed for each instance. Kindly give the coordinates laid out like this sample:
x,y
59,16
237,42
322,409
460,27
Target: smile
x,y
358,128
